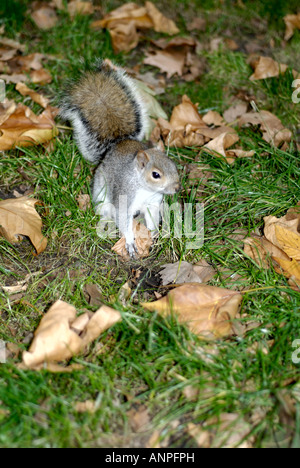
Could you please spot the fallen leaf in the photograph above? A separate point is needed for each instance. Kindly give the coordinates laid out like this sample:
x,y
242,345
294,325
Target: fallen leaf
x,y
160,22
80,8
7,54
36,97
171,62
41,76
55,340
124,37
207,310
88,406
14,78
124,21
24,128
20,286
31,61
143,241
272,129
213,118
103,319
219,145
262,251
6,109
272,223
184,272
45,18
235,111
12,43
95,295
139,419
266,67
84,202
289,242
291,268
186,113
292,22
18,217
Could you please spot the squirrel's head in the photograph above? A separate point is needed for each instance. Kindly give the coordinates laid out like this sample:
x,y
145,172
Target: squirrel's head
x,y
158,172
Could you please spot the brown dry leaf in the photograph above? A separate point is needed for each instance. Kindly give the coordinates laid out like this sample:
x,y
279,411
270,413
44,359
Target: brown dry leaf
x,y
167,61
20,286
41,76
184,272
292,22
143,241
31,61
45,18
207,310
24,128
43,101
18,217
273,130
55,339
80,8
129,12
103,319
186,113
84,201
262,251
7,54
124,37
13,44
213,118
139,419
235,111
160,22
271,223
94,293
88,406
219,145
124,21
14,78
266,67
239,153
6,109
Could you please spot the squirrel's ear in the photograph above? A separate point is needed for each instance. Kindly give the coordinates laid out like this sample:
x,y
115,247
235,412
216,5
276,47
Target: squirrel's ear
x,y
142,159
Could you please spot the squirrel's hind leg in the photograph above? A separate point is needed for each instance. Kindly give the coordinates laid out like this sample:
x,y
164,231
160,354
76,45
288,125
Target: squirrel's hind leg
x,y
103,207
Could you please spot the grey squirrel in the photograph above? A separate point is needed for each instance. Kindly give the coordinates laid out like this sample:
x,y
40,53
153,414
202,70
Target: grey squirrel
x,y
109,121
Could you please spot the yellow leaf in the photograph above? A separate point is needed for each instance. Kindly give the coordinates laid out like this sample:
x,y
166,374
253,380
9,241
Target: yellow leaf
x,y
289,242
291,268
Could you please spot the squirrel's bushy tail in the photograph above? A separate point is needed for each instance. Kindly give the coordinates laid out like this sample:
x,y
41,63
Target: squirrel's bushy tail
x,y
105,108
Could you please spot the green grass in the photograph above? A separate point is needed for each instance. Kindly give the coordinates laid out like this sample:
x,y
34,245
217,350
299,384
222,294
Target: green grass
x,y
147,360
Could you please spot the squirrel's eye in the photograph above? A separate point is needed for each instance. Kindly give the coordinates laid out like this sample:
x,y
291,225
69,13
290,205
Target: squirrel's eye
x,y
155,175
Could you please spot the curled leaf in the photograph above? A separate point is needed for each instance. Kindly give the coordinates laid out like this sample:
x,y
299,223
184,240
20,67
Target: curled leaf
x,y
18,217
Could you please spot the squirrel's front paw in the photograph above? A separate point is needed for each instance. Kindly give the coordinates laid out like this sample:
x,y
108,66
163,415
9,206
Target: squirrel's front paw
x,y
131,249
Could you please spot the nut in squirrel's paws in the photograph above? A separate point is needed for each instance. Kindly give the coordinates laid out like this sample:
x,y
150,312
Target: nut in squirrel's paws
x,y
141,246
